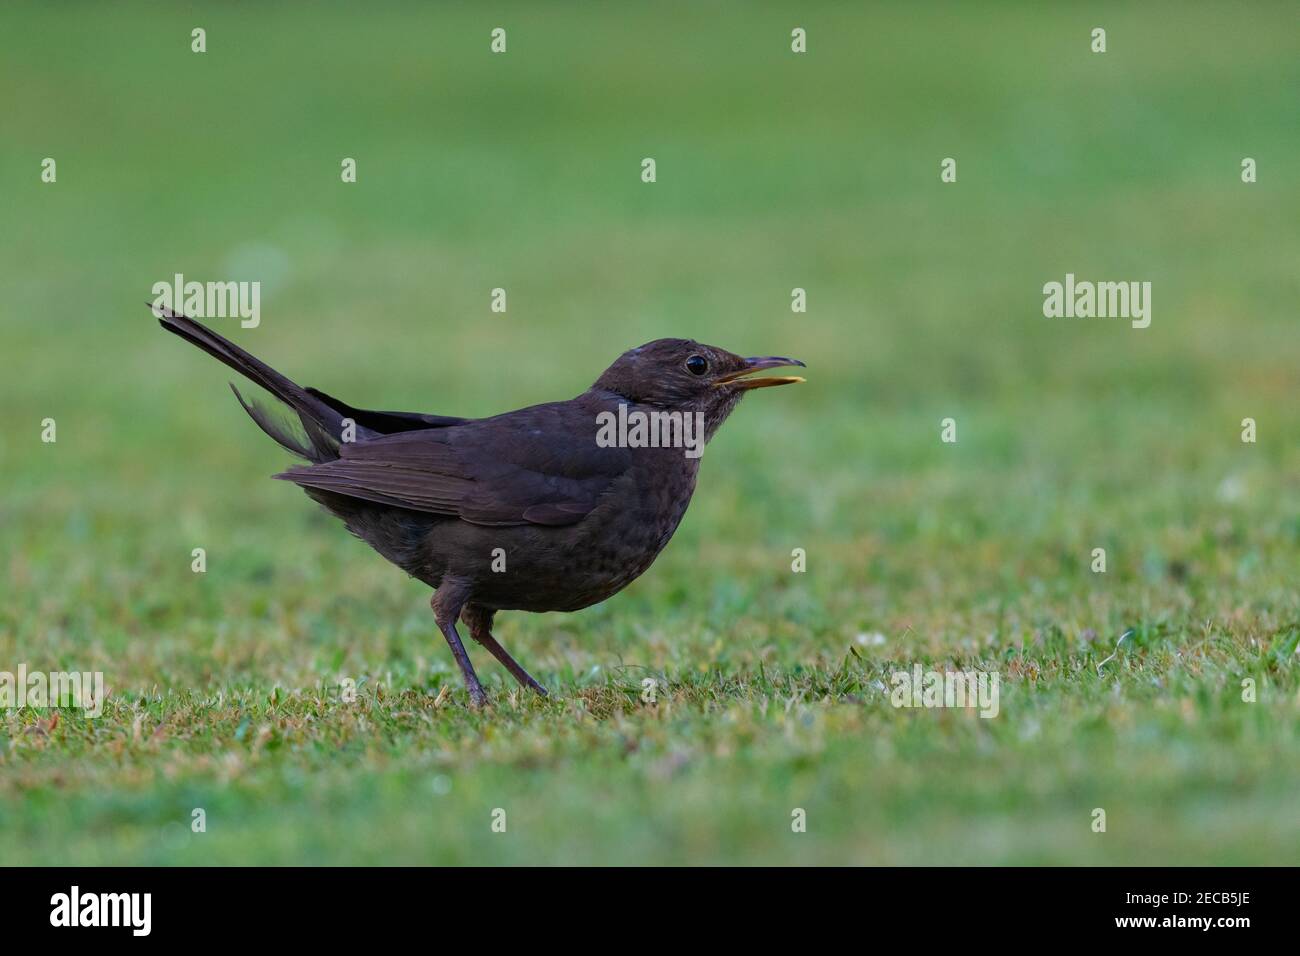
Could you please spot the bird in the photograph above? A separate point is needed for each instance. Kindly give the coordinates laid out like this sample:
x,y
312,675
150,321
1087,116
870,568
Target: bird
x,y
553,507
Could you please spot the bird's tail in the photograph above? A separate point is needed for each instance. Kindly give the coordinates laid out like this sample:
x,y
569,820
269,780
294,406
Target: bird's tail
x,y
322,424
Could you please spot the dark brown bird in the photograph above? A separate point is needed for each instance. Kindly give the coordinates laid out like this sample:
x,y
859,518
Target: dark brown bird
x,y
549,508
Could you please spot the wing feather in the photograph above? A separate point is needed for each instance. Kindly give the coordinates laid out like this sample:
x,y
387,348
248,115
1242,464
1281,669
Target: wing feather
x,y
539,465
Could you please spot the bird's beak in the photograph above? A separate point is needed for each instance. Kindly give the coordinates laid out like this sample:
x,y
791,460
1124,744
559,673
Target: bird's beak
x,y
738,381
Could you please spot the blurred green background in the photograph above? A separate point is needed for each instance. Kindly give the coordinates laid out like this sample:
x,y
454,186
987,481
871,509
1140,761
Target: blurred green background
x,y
775,171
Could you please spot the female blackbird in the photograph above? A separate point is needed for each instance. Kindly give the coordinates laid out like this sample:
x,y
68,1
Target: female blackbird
x,y
548,508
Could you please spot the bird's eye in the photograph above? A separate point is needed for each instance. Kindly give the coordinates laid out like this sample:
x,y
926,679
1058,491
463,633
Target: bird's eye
x,y
697,365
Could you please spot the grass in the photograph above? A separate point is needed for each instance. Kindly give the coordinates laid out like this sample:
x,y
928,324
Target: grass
x,y
775,171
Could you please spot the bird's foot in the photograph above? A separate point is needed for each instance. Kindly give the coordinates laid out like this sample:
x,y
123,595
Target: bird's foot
x,y
477,698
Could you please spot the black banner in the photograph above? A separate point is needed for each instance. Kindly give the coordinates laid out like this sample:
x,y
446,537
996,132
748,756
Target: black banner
x,y
337,905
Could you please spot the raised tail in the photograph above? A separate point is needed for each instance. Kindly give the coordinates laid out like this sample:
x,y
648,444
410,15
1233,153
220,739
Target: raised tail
x,y
322,424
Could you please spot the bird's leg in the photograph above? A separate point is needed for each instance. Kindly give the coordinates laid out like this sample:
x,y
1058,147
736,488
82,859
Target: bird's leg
x,y
479,621
446,604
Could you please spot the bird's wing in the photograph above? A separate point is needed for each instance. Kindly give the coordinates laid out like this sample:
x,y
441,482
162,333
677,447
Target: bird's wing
x,y
539,465
386,423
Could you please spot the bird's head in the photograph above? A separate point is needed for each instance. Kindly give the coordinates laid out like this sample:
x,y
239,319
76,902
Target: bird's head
x,y
687,376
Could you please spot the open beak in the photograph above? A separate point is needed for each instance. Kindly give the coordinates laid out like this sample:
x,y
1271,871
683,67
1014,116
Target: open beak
x,y
737,379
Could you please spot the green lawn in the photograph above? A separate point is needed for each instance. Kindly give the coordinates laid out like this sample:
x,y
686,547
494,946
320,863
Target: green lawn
x,y
775,171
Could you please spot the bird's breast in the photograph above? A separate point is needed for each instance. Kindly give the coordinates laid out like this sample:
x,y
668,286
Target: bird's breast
x,y
575,566
634,522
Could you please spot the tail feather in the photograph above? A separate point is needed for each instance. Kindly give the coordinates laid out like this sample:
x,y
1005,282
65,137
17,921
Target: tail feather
x,y
321,423
284,436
